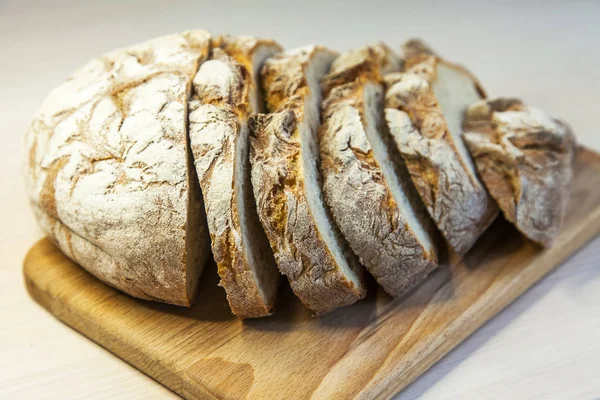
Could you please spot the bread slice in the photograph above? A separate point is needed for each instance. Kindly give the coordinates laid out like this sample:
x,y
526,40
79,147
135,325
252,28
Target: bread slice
x,y
106,169
525,158
309,250
365,182
424,111
225,94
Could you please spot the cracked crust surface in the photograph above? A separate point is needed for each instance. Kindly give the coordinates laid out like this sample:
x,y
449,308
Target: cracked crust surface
x,y
427,134
106,168
365,181
225,94
525,158
319,265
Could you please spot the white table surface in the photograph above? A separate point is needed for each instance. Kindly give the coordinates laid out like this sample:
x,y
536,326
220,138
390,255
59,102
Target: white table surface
x,y
545,345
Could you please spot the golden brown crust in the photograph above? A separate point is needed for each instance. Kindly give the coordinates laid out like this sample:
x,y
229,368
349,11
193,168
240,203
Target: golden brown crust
x,y
419,53
301,254
525,158
359,63
355,187
223,99
455,199
279,181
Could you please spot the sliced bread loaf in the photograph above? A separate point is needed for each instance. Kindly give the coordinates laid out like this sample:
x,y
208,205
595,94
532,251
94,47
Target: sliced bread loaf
x,y
525,158
106,169
364,179
309,250
225,94
424,110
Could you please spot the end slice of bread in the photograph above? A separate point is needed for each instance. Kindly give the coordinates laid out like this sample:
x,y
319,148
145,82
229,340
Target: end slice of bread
x,y
226,94
425,108
525,158
365,181
308,247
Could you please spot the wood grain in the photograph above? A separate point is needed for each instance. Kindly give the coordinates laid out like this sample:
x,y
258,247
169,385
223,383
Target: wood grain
x,y
372,349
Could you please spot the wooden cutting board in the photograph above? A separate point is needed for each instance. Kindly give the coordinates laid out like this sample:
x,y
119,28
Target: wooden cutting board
x,y
372,349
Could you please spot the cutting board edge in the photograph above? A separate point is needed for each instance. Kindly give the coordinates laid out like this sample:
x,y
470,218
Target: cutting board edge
x,y
176,383
579,240
175,379
172,380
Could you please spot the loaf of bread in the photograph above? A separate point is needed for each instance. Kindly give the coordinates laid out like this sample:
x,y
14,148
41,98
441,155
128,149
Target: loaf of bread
x,y
304,163
108,173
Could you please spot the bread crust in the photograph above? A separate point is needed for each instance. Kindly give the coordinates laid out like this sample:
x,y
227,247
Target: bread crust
x,y
224,89
525,158
106,166
355,188
453,195
279,182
